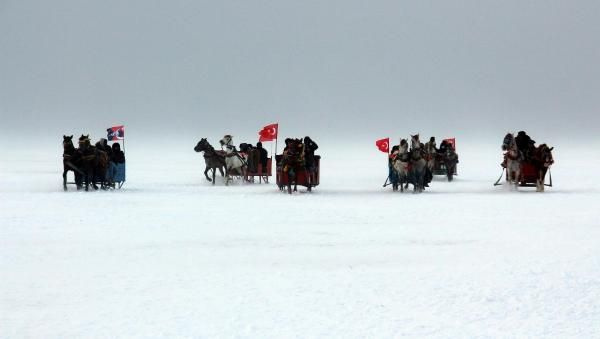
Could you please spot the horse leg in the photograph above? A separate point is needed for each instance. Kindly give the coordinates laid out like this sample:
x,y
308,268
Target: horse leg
x,y
450,171
103,183
415,181
94,175
78,180
206,173
65,179
543,180
226,177
94,180
214,174
400,182
86,179
422,179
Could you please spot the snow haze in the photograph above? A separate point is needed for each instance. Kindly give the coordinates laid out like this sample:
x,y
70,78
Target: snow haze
x,y
342,68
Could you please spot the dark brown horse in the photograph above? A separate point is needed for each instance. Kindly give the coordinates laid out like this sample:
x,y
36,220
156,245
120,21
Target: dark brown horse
x,y
542,159
293,161
94,163
214,159
450,159
70,161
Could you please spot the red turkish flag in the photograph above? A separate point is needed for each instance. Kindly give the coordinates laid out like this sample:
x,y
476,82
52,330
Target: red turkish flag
x,y
383,145
268,133
451,141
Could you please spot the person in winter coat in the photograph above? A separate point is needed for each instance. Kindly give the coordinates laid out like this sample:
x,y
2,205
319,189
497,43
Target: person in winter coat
x,y
264,155
524,143
309,153
116,167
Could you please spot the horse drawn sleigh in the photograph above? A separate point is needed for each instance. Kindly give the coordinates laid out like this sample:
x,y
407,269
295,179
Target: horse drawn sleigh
x,y
408,166
443,161
298,165
524,164
99,165
245,164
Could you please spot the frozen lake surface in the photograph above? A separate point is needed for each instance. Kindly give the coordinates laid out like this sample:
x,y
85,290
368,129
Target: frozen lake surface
x,y
171,256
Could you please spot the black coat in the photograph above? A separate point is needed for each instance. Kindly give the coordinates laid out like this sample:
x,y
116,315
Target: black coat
x,y
309,150
523,142
264,156
118,157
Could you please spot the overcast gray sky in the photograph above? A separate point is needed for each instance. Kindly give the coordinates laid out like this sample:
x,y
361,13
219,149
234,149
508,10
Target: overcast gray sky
x,y
342,67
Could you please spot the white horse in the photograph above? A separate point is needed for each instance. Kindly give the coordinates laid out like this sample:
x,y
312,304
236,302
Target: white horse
x,y
400,165
513,160
235,164
418,163
430,155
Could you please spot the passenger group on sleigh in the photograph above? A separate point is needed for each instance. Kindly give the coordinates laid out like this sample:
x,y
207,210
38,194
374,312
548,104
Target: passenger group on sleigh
x,y
92,165
417,165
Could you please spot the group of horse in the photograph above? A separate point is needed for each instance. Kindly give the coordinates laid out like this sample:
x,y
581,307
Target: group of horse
x,y
526,164
415,165
89,163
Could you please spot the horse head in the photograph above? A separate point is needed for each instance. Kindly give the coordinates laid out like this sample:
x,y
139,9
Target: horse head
x,y
227,140
415,142
202,145
293,147
508,141
84,141
403,146
546,155
67,141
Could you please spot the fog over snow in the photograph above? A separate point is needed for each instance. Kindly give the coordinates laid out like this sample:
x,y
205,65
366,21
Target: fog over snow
x,y
346,68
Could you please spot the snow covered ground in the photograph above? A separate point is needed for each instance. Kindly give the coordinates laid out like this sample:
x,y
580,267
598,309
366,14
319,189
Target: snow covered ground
x,y
171,256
